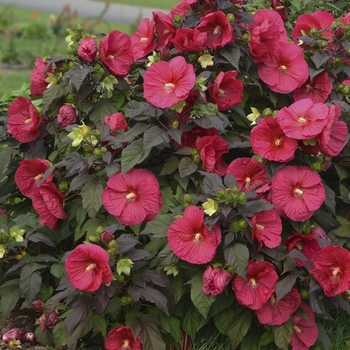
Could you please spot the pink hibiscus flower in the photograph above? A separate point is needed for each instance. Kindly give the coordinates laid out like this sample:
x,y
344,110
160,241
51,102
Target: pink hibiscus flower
x,y
215,279
23,122
320,20
305,331
116,122
275,313
331,269
249,173
121,338
133,197
87,267
211,150
116,53
226,91
297,192
143,40
285,69
218,29
191,240
47,201
164,30
303,119
189,40
317,89
88,49
38,84
267,228
167,83
29,174
269,141
256,289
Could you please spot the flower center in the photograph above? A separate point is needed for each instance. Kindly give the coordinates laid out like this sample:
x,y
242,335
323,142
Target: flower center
x,y
166,31
247,180
217,30
273,299
253,282
221,92
298,191
28,121
111,57
302,120
277,142
197,237
143,39
90,267
130,197
169,87
299,246
308,87
38,177
297,329
335,271
260,227
126,343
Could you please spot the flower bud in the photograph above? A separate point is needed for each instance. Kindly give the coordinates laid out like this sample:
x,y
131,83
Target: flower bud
x,y
339,32
215,280
187,200
50,323
238,225
231,17
107,236
63,186
29,338
267,112
37,305
67,115
13,334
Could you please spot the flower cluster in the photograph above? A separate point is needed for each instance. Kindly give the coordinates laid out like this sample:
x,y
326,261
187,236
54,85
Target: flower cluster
x,y
192,176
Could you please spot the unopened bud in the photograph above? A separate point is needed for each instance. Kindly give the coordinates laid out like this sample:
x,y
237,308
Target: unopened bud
x,y
231,17
187,200
13,334
107,236
38,305
29,338
267,112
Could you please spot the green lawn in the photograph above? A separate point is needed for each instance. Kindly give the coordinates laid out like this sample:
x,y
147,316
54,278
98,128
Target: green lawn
x,y
160,4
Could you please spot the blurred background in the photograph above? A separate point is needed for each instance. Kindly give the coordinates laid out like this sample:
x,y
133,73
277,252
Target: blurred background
x,y
35,28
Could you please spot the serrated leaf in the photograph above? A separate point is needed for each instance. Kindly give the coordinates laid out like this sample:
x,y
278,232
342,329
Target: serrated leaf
x,y
82,329
284,286
30,280
54,92
41,237
319,58
237,255
212,182
134,109
78,74
223,320
330,199
78,182
9,296
135,131
232,53
187,167
100,110
159,226
154,136
7,153
170,166
191,321
133,154
79,312
100,324
251,208
344,229
239,327
172,326
282,335
91,195
201,301
60,335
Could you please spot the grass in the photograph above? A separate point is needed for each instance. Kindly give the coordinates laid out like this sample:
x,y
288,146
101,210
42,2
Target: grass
x,y
160,4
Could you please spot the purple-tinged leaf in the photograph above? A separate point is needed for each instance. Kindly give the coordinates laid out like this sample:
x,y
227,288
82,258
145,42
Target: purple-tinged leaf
x,y
80,310
284,286
126,242
212,182
237,255
41,237
187,167
154,277
138,254
249,209
102,298
154,136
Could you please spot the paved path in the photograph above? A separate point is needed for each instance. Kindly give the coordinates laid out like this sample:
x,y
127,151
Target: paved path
x,y
88,9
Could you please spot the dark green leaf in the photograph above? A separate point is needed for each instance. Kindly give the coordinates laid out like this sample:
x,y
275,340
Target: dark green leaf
x,y
237,255
159,226
284,286
91,195
10,292
323,337
134,109
282,335
239,327
187,167
223,320
251,208
100,324
344,229
100,110
170,166
201,301
171,325
135,131
78,74
82,329
330,199
60,335
78,182
30,280
191,321
154,136
54,92
133,154
7,153
232,53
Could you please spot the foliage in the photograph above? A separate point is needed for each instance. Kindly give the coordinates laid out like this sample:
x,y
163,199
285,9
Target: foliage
x,y
134,194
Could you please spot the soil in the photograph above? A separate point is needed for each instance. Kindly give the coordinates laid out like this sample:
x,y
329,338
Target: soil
x,y
24,319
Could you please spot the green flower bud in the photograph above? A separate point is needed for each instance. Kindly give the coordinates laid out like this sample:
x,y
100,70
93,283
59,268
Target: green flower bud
x,y
304,293
246,37
63,186
267,112
97,152
241,197
231,17
238,225
97,133
99,230
187,200
177,20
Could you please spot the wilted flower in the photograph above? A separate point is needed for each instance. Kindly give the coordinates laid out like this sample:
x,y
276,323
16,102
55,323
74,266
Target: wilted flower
x,y
67,115
50,322
13,334
215,279
38,77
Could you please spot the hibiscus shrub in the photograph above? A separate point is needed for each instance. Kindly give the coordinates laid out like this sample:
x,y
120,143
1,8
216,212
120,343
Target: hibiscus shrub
x,y
189,180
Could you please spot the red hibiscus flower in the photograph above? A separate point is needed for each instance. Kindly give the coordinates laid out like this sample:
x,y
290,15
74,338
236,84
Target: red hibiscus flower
x,y
182,7
87,267
269,141
266,32
305,331
331,269
38,76
267,228
215,280
191,240
87,49
249,173
333,136
285,69
218,29
116,122
167,83
275,312
164,30
297,191
190,138
189,40
47,202
23,122
303,119
116,53
133,197
320,20
306,244
256,289
317,89
29,174
143,40
67,115
120,338
211,150
226,91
